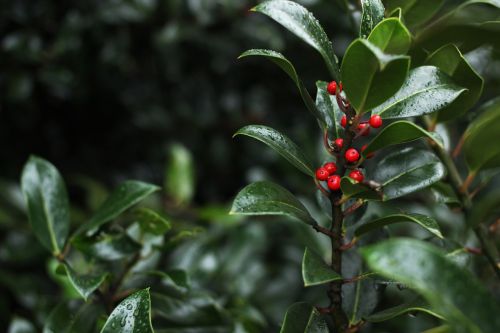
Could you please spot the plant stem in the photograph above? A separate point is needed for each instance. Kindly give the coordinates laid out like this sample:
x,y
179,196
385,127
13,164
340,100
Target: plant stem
x,y
335,288
457,183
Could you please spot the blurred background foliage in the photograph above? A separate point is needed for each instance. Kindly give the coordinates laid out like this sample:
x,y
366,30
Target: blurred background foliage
x,y
151,90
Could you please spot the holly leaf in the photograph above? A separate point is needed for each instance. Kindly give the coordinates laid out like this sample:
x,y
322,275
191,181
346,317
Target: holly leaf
x,y
303,318
128,194
328,108
407,171
266,198
458,295
370,76
415,305
304,25
315,271
47,203
426,90
372,13
85,284
391,36
132,315
425,222
450,60
281,144
399,132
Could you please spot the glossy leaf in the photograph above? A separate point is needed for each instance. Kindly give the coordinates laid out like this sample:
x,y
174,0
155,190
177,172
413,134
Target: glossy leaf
x,y
303,318
451,61
480,153
391,36
179,175
266,198
372,13
281,144
47,203
370,76
426,90
315,271
85,284
406,171
399,132
288,68
107,247
460,298
64,318
353,189
416,305
132,315
425,222
152,222
304,25
328,108
416,12
444,193
128,194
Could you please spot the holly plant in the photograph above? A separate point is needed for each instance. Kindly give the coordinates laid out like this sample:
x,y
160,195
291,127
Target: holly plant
x,y
404,144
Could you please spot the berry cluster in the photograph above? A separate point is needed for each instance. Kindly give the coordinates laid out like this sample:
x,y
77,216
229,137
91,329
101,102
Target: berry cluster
x,y
351,155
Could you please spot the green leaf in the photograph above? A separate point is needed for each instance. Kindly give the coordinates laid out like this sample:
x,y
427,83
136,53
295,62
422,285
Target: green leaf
x,y
480,153
327,106
132,315
353,189
391,36
85,284
281,144
288,68
65,318
303,318
152,222
128,194
372,14
107,247
304,25
449,59
266,198
484,208
444,193
399,132
426,90
315,271
179,175
47,203
416,305
371,76
406,171
416,12
425,222
460,298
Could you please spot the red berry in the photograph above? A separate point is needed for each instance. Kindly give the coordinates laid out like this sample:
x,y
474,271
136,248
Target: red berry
x,y
356,175
322,174
343,121
332,88
370,155
351,155
330,167
362,127
339,143
333,183
375,121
